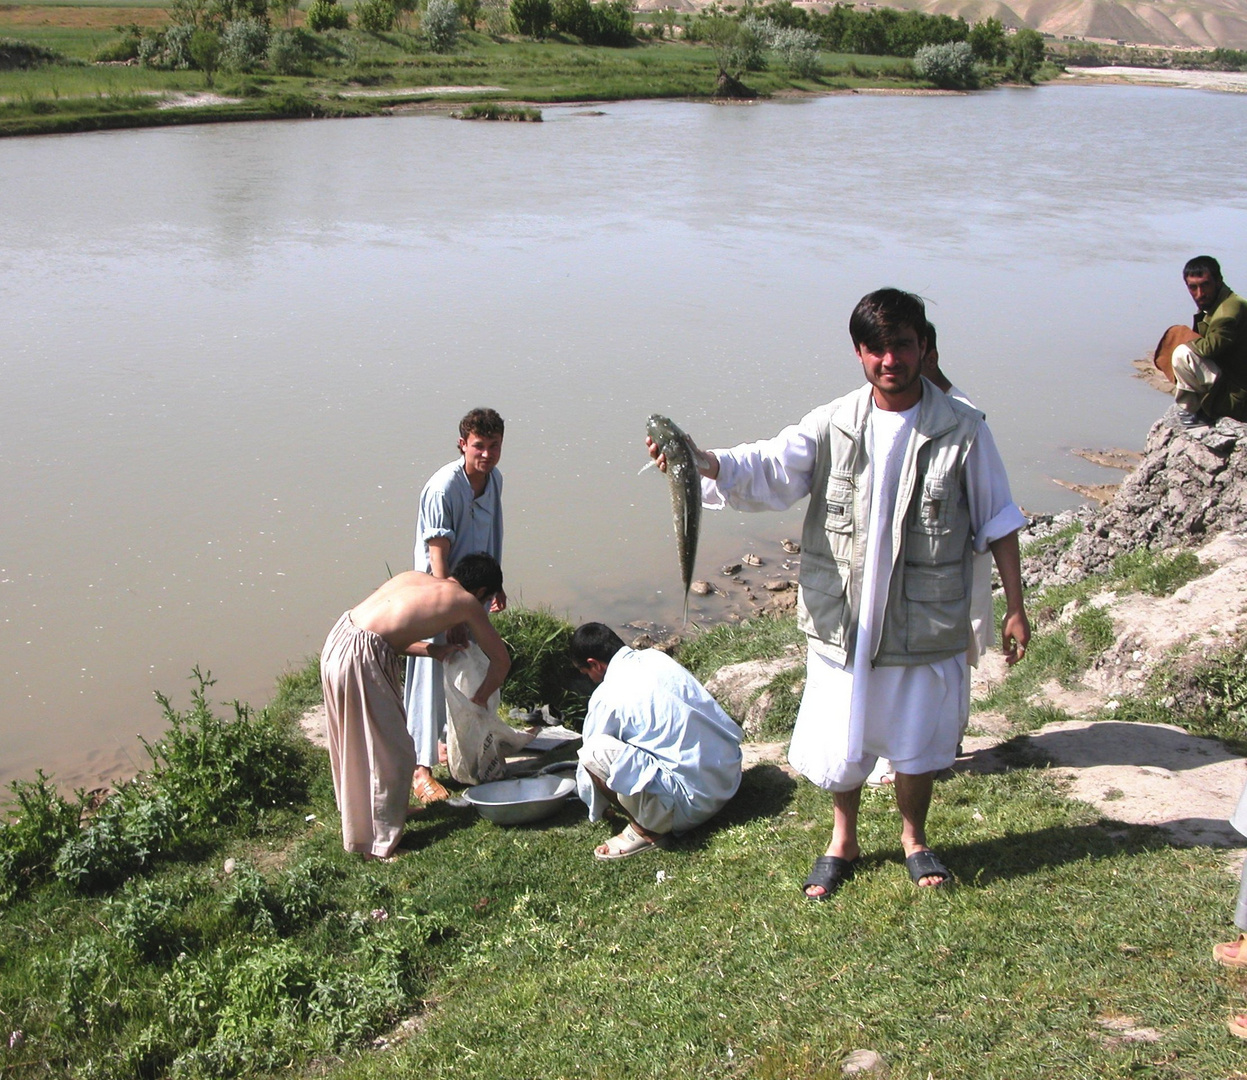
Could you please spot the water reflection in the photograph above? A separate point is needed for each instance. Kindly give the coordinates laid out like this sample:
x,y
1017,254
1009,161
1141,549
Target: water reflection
x,y
234,354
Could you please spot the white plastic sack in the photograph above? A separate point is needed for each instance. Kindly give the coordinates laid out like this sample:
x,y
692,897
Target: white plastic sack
x,y
477,742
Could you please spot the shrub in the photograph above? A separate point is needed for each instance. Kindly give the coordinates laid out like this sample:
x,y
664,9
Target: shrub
x,y
612,24
497,16
532,18
375,16
441,25
949,66
286,54
168,50
128,830
37,826
542,672
798,49
469,11
326,15
572,17
244,45
24,54
205,52
224,771
124,48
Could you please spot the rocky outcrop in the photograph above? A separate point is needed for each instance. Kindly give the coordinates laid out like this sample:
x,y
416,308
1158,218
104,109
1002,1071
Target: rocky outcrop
x,y
1189,486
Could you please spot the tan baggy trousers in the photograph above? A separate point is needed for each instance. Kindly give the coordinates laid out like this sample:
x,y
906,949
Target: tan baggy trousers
x,y
1193,377
371,753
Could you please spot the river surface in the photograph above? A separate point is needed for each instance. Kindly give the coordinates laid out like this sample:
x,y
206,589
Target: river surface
x,y
232,354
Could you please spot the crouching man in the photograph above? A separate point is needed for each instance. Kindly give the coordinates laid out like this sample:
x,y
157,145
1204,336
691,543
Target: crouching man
x,y
371,753
656,744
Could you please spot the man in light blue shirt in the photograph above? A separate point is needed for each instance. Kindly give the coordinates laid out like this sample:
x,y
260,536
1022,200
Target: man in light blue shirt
x,y
460,514
656,744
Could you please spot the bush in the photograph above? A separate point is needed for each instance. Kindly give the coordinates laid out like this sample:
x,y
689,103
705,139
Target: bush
x,y
612,24
949,66
532,18
441,25
167,50
37,826
798,49
244,45
572,17
327,15
375,16
124,48
224,771
128,830
286,53
205,52
542,672
23,54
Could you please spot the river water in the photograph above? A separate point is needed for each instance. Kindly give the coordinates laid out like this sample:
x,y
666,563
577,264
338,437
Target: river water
x,y
231,355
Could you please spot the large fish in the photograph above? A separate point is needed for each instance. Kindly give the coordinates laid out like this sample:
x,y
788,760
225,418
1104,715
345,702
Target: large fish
x,y
685,483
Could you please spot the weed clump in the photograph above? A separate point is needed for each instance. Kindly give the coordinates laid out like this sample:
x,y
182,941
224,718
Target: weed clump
x,y
542,672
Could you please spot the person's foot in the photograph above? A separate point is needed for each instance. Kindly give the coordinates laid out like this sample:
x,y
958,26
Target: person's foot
x,y
442,757
632,841
425,788
1238,1025
926,870
1232,953
1189,420
846,855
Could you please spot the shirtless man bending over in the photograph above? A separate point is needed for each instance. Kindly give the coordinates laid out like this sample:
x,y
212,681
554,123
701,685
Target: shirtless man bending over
x,y
371,753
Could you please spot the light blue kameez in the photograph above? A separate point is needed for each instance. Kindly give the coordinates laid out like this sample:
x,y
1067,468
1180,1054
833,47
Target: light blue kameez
x,y
473,525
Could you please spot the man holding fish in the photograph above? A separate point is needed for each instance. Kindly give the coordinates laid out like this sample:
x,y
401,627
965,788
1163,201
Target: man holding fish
x,y
905,484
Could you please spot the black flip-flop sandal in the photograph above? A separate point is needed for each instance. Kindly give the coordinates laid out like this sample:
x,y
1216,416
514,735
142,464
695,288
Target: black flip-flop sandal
x,y
927,864
828,873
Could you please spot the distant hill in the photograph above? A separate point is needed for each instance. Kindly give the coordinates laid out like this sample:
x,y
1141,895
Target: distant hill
x,y
1205,24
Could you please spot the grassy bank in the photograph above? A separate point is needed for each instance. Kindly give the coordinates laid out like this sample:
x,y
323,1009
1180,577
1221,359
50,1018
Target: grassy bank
x,y
74,79
254,946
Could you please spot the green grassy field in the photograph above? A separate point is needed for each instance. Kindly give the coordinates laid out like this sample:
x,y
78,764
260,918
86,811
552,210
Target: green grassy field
x,y
251,945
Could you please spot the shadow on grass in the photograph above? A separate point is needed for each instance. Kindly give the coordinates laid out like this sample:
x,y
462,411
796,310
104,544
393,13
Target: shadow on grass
x,y
765,791
434,824
1018,855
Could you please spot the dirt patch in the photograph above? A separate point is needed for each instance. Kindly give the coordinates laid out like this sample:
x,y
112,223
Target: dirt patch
x,y
80,18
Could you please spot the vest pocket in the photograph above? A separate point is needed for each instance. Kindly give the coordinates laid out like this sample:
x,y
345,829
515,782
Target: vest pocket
x,y
823,609
936,608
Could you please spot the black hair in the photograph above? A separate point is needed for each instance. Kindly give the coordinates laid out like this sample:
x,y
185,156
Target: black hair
x,y
594,641
884,314
1201,265
484,422
477,572
930,336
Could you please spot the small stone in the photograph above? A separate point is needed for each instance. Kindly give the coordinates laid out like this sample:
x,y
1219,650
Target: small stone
x,y
16,1038
861,1062
229,866
779,585
701,588
730,568
643,641
790,546
752,560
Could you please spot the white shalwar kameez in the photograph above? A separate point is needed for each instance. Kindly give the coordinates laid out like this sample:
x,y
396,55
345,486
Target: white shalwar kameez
x,y
854,713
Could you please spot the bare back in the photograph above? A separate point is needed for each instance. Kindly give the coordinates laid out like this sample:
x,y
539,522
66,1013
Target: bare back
x,y
412,606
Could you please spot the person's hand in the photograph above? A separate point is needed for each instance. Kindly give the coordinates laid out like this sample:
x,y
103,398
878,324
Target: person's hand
x,y
499,602
483,702
1015,635
441,652
457,635
707,463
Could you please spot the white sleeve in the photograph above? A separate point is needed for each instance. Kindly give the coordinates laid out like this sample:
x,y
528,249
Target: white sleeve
x,y
993,513
768,475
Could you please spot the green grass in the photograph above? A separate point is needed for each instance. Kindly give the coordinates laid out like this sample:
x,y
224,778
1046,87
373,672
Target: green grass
x,y
56,96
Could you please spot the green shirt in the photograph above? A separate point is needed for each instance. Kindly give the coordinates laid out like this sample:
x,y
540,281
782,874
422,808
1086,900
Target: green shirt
x,y
1223,340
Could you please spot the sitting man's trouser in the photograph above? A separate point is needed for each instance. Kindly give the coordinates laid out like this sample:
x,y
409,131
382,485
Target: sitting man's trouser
x,y
652,812
1193,377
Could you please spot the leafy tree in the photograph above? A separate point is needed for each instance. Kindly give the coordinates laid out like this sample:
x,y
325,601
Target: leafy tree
x,y
732,44
327,15
441,25
987,39
375,16
798,49
244,45
612,24
470,12
283,11
532,18
205,52
1026,53
572,17
286,54
950,66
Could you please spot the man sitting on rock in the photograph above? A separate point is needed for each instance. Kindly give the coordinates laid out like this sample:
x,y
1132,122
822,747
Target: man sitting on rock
x,y
371,753
656,745
1210,373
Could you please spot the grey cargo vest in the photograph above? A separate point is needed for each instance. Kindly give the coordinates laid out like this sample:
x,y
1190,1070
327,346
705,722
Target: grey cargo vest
x,y
927,617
